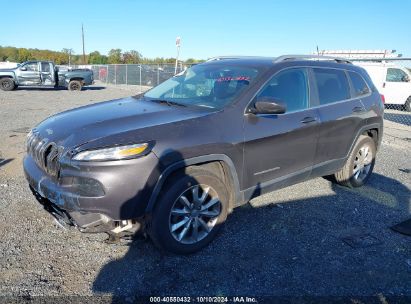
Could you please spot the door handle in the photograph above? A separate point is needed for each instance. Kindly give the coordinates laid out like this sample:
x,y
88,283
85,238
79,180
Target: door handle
x,y
308,119
358,109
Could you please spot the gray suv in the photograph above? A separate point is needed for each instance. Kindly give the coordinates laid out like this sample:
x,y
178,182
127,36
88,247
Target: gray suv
x,y
175,161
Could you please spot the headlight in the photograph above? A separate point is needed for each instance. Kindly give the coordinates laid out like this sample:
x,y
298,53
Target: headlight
x,y
115,153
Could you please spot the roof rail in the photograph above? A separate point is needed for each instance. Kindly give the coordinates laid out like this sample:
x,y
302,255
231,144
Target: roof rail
x,y
312,57
232,57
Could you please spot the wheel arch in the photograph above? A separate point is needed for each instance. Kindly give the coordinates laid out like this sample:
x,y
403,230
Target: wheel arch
x,y
208,162
76,78
372,130
9,76
374,134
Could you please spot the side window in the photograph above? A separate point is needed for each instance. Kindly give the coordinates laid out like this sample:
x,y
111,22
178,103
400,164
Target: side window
x,y
33,67
359,84
396,75
289,86
45,67
332,85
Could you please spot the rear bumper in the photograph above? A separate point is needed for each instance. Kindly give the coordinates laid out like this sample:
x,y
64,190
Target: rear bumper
x,y
94,194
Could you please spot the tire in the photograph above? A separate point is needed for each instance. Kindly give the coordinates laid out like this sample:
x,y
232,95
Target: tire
x,y
357,169
74,85
407,105
165,227
7,84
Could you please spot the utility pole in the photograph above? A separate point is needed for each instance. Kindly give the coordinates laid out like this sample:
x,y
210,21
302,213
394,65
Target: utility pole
x,y
84,53
178,43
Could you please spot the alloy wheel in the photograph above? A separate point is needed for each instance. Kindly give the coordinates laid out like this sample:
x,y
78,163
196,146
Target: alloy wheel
x,y
194,214
362,163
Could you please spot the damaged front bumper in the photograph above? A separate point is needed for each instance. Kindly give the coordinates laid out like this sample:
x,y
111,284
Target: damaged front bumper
x,y
94,197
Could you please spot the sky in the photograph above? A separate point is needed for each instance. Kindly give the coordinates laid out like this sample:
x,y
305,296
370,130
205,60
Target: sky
x,y
208,28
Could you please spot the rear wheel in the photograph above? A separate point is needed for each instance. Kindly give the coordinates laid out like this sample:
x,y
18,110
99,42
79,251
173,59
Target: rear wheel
x,y
190,212
359,165
407,105
75,85
7,84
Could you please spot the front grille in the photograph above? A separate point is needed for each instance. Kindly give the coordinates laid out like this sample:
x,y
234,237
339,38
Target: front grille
x,y
45,153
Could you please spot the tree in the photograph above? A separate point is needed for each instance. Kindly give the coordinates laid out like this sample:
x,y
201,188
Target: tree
x,y
132,57
190,61
67,55
114,56
23,55
96,58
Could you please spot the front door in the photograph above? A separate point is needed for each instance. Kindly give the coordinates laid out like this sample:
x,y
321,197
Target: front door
x,y
47,73
282,145
29,74
397,87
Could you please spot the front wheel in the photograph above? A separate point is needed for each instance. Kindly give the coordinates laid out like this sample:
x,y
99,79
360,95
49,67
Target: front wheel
x,y
359,165
190,212
75,85
7,84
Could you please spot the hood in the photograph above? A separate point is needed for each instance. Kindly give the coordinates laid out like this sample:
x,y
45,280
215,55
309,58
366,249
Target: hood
x,y
119,121
8,70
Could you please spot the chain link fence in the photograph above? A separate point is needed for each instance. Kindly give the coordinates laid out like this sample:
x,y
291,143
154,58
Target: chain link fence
x,y
142,75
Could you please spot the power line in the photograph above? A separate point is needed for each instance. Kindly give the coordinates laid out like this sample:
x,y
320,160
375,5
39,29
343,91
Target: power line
x,y
84,53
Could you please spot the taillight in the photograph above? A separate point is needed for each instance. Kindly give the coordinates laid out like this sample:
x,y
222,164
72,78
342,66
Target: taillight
x,y
382,98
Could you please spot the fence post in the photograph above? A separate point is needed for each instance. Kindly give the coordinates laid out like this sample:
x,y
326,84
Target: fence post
x,y
115,74
107,75
158,74
126,73
141,89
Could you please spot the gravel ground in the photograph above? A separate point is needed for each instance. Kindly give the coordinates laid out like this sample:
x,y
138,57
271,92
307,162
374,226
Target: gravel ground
x,y
291,242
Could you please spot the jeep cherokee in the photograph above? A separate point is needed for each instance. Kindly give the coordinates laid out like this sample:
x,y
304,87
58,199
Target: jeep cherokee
x,y
176,160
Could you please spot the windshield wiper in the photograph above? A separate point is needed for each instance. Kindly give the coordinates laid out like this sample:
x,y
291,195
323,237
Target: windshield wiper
x,y
168,102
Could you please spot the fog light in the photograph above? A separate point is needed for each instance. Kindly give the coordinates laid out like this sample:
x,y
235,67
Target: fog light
x,y
88,187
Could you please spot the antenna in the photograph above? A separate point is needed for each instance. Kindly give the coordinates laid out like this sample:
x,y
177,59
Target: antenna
x,y
82,35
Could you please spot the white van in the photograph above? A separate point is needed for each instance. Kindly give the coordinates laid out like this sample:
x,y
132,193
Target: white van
x,y
392,81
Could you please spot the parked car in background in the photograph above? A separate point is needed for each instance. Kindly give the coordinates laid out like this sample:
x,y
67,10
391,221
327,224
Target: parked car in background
x,y
392,81
176,160
44,73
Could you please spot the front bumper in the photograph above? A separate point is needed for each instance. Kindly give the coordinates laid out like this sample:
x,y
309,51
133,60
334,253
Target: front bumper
x,y
124,194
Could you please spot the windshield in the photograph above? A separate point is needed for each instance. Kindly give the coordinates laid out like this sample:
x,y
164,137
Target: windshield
x,y
210,86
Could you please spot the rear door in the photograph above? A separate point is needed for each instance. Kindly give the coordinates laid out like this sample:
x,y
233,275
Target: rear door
x,y
47,73
341,114
281,145
29,74
397,87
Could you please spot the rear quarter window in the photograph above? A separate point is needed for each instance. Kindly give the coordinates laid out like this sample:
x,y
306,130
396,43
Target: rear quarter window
x,y
359,85
332,85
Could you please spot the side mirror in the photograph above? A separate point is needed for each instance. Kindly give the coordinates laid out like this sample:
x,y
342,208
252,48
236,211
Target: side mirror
x,y
23,69
267,105
406,78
